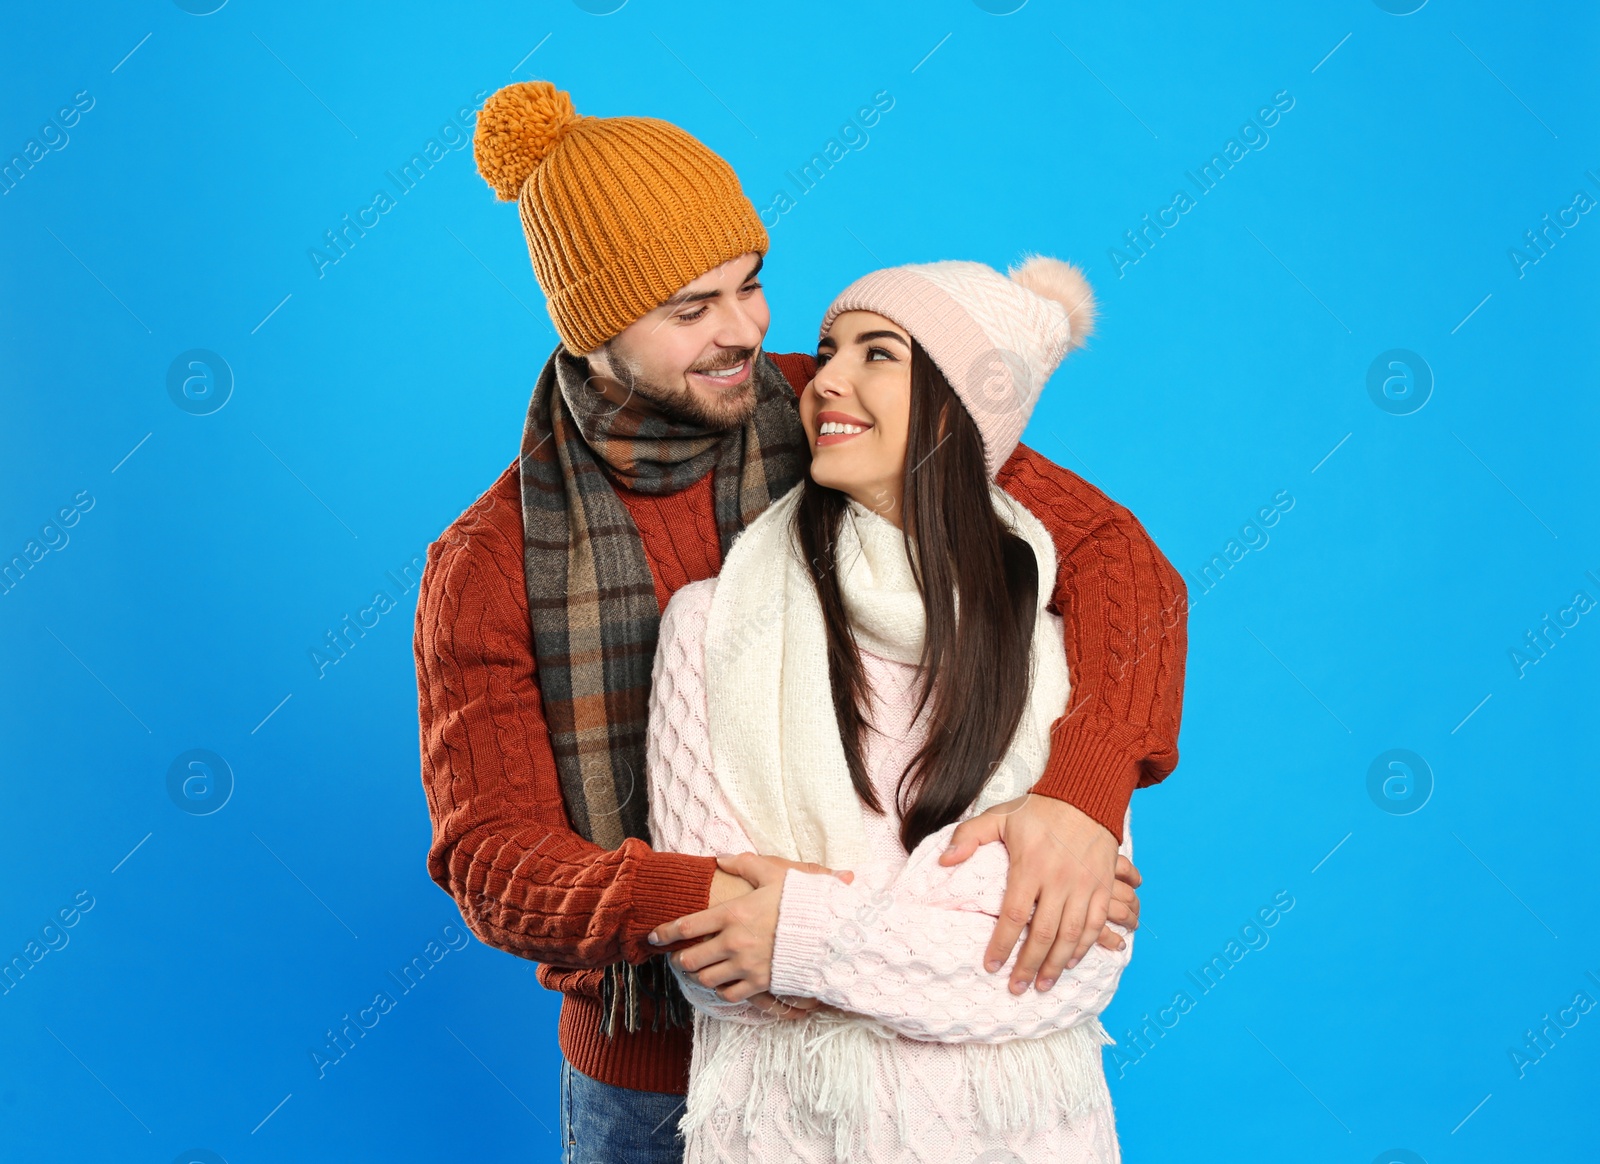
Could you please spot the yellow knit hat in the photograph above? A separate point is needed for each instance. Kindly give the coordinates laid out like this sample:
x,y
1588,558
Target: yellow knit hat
x,y
620,212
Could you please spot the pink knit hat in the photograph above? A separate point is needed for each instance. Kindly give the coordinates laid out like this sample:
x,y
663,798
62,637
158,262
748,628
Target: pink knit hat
x,y
997,338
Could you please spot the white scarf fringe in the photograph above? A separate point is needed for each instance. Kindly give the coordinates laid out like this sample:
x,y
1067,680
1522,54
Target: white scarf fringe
x,y
831,1065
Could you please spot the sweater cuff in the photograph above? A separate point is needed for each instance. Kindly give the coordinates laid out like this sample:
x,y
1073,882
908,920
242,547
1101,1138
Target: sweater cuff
x,y
1094,766
666,886
800,946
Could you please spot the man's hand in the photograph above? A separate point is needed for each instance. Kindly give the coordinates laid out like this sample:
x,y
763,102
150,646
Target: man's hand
x,y
758,869
1063,867
735,956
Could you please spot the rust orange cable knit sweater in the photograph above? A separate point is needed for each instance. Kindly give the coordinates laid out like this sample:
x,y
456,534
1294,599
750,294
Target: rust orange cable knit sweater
x,y
527,884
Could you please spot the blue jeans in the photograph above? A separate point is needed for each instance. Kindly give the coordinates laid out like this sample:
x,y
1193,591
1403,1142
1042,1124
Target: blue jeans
x,y
603,1124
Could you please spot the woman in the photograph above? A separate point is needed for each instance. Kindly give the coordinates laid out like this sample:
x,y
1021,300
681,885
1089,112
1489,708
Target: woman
x,y
820,700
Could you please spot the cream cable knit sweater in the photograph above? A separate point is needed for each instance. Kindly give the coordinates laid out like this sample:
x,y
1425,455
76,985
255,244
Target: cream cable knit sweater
x,y
902,944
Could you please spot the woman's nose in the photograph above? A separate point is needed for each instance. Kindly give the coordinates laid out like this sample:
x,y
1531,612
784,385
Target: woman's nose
x,y
829,381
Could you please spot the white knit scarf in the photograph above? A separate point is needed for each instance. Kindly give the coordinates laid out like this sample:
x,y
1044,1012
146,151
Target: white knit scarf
x,y
776,750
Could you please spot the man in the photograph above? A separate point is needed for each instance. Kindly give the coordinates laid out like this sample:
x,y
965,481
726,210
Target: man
x,y
656,431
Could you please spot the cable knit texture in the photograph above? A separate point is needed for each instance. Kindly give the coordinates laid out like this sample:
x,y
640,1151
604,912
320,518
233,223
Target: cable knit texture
x,y
775,738
502,846
946,1062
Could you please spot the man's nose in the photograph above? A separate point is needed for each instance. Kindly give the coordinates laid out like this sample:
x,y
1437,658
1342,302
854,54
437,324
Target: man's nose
x,y
739,329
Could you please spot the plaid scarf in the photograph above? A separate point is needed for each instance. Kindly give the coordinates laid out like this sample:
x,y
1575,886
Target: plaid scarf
x,y
592,600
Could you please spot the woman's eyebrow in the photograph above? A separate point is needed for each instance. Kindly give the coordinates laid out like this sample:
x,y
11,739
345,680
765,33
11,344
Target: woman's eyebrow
x,y
827,341
872,335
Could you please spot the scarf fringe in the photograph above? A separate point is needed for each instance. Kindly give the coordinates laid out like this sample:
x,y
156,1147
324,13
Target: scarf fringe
x,y
831,1064
624,986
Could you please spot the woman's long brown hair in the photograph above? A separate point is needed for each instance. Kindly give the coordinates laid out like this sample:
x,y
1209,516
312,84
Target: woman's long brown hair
x,y
957,545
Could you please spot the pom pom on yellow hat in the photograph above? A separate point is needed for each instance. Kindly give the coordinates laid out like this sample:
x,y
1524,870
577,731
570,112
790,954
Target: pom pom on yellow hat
x,y
619,212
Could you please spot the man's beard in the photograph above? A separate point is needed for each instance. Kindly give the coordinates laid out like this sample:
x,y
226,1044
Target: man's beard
x,y
682,404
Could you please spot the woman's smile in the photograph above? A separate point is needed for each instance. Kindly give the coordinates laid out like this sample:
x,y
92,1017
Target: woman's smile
x,y
834,428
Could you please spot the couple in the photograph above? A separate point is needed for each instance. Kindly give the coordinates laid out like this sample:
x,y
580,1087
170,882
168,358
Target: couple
x,y
737,611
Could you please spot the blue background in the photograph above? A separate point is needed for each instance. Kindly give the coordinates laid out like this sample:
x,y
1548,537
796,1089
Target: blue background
x,y
373,401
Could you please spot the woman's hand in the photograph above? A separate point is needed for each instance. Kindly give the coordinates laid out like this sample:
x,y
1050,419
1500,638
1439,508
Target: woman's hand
x,y
736,959
725,887
735,956
1124,909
